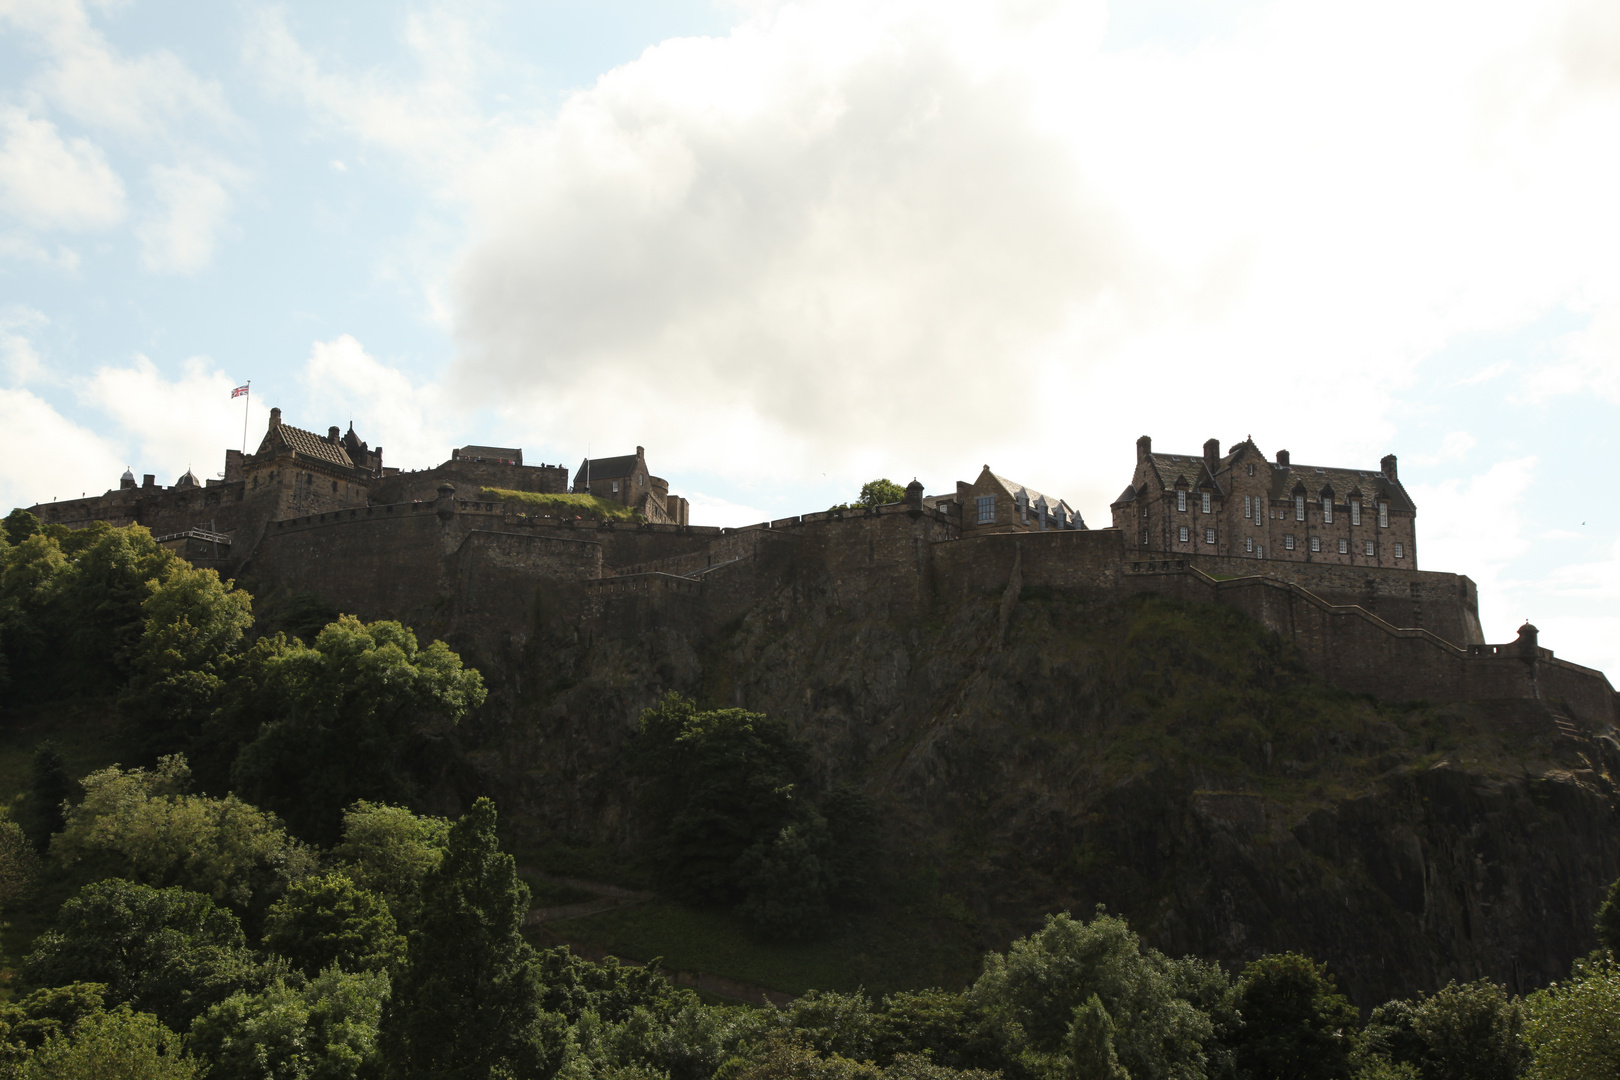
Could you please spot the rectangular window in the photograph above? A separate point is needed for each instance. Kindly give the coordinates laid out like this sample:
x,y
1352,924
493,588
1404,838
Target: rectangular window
x,y
1204,501
987,508
1355,511
1316,543
1181,501
1209,536
1299,508
1144,536
1288,542
1327,509
1383,515
1248,506
1344,547
1400,551
1369,547
1181,534
1248,543
615,487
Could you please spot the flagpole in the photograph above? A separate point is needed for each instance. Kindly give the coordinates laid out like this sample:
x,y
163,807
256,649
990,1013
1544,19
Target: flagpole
x,y
247,400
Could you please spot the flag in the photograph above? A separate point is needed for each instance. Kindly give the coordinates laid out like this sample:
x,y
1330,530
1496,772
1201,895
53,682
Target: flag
x,y
239,391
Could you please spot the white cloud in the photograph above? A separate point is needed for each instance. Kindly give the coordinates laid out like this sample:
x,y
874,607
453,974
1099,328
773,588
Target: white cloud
x,y
47,182
171,425
17,352
410,422
713,510
193,205
1475,526
76,456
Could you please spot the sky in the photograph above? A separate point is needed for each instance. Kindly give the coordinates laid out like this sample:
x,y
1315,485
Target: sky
x,y
790,247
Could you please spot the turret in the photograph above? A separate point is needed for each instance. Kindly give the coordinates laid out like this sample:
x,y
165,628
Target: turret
x,y
914,494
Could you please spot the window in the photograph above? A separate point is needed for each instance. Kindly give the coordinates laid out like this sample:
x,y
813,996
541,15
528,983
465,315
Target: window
x,y
1288,542
1299,508
987,508
1181,534
1248,506
1344,547
1204,502
615,487
1181,501
1327,509
1355,511
1144,536
1383,515
1209,537
1369,547
1400,551
1316,543
1251,470
1248,543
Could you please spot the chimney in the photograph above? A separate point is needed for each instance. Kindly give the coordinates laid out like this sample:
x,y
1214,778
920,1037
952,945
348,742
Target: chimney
x,y
1212,453
275,418
1388,465
1144,447
332,434
641,451
148,480
1282,458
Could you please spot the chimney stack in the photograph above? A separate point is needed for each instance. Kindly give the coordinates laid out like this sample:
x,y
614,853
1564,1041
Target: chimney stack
x,y
1212,453
1282,458
332,434
275,418
1388,465
1144,447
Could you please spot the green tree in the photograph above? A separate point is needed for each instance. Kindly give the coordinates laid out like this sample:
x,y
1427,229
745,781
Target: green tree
x,y
166,951
323,1030
328,920
391,851
1471,1031
1608,920
25,1024
1296,1024
19,865
20,525
880,492
144,824
1571,1026
1043,978
117,1045
1091,1044
469,1002
50,788
355,705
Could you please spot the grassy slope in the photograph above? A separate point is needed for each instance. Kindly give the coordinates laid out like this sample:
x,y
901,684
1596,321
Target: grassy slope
x,y
561,505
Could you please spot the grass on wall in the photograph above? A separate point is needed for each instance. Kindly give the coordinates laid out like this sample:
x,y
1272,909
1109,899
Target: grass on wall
x,y
561,505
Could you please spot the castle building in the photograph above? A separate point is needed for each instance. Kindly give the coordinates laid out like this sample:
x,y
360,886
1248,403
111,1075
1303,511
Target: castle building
x,y
994,503
1241,505
627,480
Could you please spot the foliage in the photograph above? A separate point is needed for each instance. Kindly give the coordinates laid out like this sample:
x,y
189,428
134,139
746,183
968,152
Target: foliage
x,y
878,492
391,851
1296,1024
329,920
19,865
323,1030
1571,1026
1469,1031
166,951
610,990
469,1001
50,788
235,853
351,706
1608,920
1043,979
564,506
26,1024
726,798
20,525
117,1045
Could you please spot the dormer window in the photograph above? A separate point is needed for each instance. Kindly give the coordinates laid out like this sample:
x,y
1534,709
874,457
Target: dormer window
x,y
1181,501
1355,511
1299,508
1204,502
1383,514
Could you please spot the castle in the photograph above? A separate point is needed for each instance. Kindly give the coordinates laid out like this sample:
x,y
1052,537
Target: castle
x,y
1326,557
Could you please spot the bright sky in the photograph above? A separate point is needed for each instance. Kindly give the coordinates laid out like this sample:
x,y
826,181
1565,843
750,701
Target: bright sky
x,y
791,247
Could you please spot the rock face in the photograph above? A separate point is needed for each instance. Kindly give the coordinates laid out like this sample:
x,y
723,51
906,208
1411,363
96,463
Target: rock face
x,y
1036,747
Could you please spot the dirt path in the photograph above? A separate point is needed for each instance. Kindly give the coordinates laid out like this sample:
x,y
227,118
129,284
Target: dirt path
x,y
611,898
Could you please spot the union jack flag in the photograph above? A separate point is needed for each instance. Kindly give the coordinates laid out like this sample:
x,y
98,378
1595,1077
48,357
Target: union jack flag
x,y
239,391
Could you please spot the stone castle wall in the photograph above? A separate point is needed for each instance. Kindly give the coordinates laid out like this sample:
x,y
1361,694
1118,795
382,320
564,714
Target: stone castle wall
x,y
469,477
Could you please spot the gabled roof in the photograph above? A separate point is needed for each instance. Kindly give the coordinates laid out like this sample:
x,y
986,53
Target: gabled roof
x,y
1126,496
607,468
1369,483
306,443
1193,470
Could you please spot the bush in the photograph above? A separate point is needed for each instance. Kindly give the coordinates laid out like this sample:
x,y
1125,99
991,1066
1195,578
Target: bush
x,y
117,1045
1571,1026
325,1030
328,920
1296,1024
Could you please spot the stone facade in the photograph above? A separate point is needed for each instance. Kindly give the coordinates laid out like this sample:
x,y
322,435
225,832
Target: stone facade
x,y
994,503
626,479
1242,506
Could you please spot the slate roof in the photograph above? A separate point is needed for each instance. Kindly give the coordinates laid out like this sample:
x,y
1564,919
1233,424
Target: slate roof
x,y
606,468
1014,488
308,444
1172,467
492,453
1368,483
